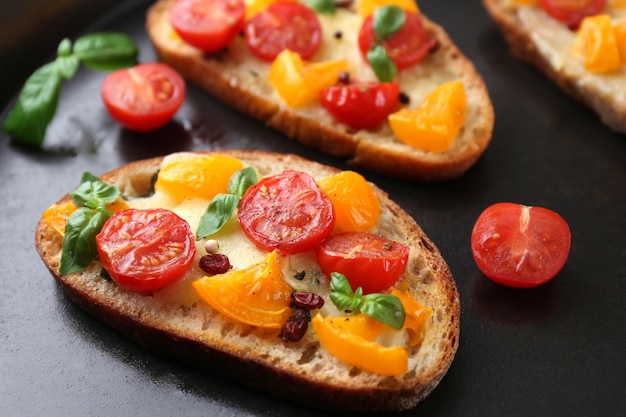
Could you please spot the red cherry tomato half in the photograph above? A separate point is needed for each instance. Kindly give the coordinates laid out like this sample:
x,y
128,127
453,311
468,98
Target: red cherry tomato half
x,y
520,246
572,12
284,25
286,212
144,97
145,250
406,47
209,25
369,261
361,106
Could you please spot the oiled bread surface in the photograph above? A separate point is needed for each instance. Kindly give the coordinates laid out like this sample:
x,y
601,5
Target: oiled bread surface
x,y
303,371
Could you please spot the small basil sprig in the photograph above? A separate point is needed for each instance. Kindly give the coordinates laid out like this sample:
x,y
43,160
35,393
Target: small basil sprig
x,y
79,242
222,206
387,20
386,308
322,6
37,102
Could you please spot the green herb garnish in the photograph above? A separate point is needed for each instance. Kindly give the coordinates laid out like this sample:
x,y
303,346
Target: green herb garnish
x,y
79,242
386,308
37,102
322,6
387,21
222,207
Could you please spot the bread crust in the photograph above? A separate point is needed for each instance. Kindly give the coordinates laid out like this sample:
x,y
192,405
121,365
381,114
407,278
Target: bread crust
x,y
573,80
303,371
377,151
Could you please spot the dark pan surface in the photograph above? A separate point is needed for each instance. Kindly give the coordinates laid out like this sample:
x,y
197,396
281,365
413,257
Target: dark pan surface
x,y
557,350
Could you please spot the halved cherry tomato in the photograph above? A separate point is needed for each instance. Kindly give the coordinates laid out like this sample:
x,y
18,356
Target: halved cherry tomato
x,y
209,25
369,261
284,25
572,12
287,212
361,106
520,246
256,295
406,47
144,97
145,250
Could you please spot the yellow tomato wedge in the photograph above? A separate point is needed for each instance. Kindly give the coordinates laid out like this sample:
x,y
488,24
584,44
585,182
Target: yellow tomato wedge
x,y
416,317
356,206
350,339
595,42
197,177
619,30
299,82
56,215
255,6
435,124
256,295
526,2
617,4
368,7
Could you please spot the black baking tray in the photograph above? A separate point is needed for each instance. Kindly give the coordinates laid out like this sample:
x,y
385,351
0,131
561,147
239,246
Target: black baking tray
x,y
556,350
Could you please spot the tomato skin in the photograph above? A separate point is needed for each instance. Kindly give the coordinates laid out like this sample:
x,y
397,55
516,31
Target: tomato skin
x,y
145,250
209,25
361,106
406,47
371,262
144,97
572,12
286,212
284,25
520,246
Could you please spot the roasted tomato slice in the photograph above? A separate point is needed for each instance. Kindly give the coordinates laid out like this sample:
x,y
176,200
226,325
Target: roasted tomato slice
x,y
287,212
145,250
209,25
406,47
572,12
362,105
144,97
520,246
284,25
369,261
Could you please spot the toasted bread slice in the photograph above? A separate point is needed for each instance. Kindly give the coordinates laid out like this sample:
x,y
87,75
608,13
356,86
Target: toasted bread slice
x,y
172,322
237,78
545,43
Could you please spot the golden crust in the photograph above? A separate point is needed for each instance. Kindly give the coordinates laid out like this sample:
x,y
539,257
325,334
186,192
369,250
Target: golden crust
x,y
379,151
611,110
302,372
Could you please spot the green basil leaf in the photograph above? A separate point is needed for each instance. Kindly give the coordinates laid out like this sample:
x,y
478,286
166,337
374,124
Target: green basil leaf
x,y
67,66
35,107
381,64
93,192
106,50
241,181
387,20
322,6
385,308
341,293
79,242
220,210
64,48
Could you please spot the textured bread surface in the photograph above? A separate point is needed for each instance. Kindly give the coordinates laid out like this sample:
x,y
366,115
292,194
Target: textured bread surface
x,y
302,371
532,35
237,78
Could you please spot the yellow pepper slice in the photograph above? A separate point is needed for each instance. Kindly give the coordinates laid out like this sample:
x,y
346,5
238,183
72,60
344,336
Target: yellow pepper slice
x,y
299,82
595,42
349,339
525,2
56,215
255,6
368,7
197,177
619,30
617,4
256,295
416,317
356,206
435,124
